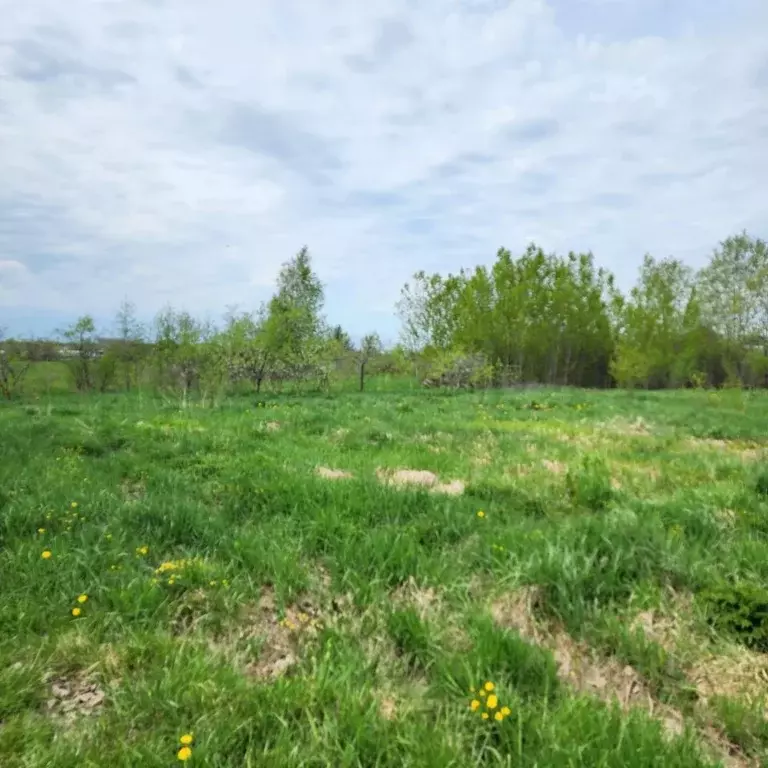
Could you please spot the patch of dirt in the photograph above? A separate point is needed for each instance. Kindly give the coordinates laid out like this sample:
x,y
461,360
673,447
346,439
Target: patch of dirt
x,y
281,639
334,474
133,490
637,428
402,478
578,665
74,696
424,600
665,628
746,451
740,674
388,708
556,467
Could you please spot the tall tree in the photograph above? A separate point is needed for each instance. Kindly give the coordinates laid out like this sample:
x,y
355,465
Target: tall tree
x,y
81,338
130,342
369,347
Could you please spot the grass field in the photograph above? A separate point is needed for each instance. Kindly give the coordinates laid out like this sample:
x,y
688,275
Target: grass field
x,y
581,582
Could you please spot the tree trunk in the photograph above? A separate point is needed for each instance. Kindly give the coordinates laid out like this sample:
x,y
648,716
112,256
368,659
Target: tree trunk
x,y
362,376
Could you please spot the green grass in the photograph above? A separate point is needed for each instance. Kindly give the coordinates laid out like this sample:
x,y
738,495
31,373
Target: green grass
x,y
321,622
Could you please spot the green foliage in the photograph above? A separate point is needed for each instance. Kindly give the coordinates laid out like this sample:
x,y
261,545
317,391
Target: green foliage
x,y
740,610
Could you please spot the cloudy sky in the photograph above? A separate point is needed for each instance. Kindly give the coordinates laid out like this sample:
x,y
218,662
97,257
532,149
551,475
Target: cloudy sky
x,y
180,150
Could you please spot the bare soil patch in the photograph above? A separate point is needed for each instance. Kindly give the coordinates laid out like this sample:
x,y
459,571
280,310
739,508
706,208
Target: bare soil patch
x,y
74,696
281,640
556,467
403,478
424,600
579,666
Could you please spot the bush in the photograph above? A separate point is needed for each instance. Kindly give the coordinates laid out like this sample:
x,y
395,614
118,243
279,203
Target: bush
x,y
740,610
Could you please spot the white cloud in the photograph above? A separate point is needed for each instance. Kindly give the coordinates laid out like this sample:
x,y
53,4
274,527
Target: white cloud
x,y
179,150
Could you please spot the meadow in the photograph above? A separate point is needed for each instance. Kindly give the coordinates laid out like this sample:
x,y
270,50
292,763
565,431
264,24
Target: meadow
x,y
500,578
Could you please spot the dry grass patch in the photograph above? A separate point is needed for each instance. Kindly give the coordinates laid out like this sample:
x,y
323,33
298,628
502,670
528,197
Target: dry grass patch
x,y
737,674
74,696
333,474
133,490
746,451
637,428
281,640
419,478
555,467
579,666
424,600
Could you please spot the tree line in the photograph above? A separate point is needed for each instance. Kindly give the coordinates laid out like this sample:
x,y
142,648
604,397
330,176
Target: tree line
x,y
535,318
286,342
561,320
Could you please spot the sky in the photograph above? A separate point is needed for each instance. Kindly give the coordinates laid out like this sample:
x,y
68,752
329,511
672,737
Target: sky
x,y
178,151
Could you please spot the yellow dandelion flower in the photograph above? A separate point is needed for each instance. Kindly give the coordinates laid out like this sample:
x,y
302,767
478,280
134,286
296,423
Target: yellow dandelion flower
x,y
506,711
475,705
184,754
76,612
46,554
142,550
498,716
484,715
73,505
82,599
41,530
493,701
481,693
187,739
480,513
489,686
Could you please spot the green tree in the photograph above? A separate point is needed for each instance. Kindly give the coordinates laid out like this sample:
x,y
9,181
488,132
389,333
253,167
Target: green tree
x,y
370,346
653,326
294,326
732,290
130,344
82,351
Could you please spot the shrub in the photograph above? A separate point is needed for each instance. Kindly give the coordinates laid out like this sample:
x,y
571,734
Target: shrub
x,y
740,610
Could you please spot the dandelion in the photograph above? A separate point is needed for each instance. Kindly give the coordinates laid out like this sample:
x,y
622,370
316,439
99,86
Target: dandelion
x,y
41,530
498,717
82,599
493,701
73,505
184,754
76,612
506,711
480,514
211,583
489,686
142,550
484,715
481,693
187,739
46,554
475,705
